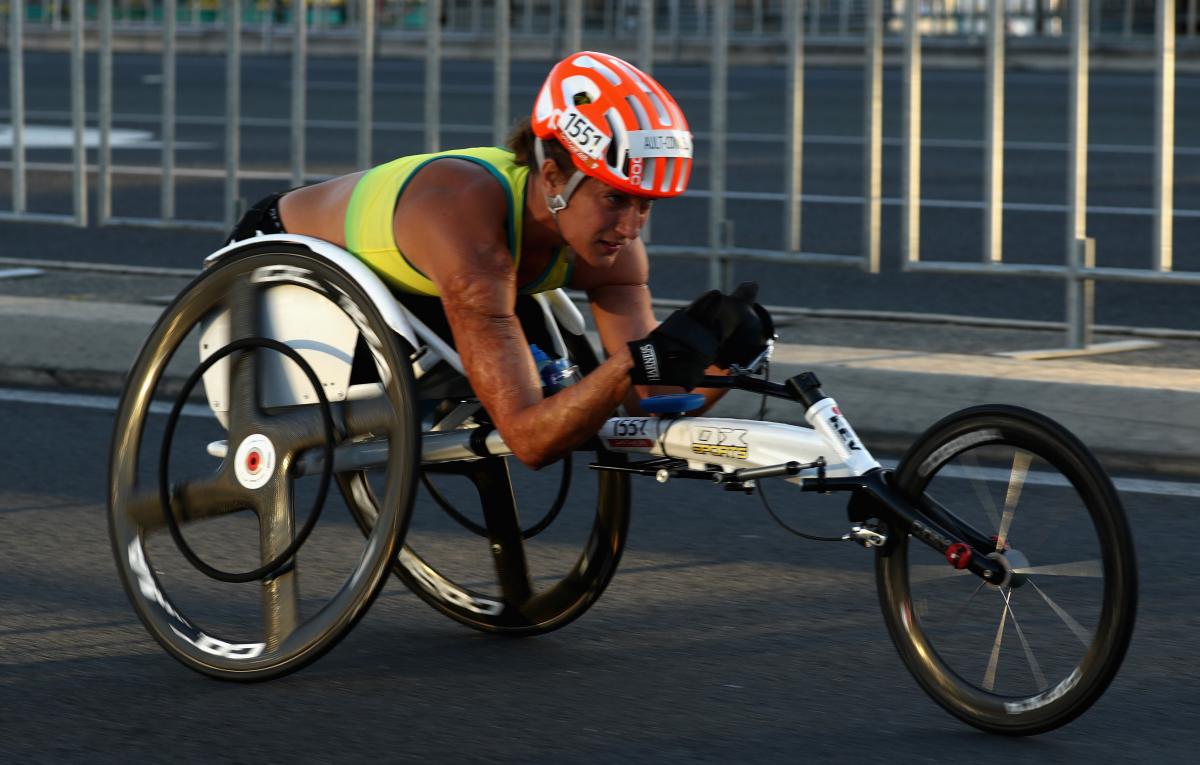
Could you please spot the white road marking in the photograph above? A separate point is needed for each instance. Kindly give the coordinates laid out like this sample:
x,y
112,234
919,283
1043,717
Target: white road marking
x,y
90,401
1190,490
58,137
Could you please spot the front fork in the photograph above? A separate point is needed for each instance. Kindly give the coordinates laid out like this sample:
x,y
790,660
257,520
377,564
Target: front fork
x,y
874,494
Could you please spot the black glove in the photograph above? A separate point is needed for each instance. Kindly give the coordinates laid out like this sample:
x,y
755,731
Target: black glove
x,y
679,350
746,327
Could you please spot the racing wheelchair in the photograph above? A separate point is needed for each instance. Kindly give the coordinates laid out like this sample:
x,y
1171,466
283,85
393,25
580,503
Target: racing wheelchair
x,y
1004,564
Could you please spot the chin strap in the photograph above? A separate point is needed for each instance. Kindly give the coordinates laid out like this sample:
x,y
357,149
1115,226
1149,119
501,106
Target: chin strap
x,y
558,201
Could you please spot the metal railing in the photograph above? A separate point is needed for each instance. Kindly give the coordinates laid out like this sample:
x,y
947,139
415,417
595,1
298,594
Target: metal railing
x,y
792,22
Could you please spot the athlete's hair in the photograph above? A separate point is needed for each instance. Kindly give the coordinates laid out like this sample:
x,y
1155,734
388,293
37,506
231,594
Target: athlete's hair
x,y
521,139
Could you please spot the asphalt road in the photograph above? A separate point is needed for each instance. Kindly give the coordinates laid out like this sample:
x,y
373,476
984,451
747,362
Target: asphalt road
x,y
1120,180
721,639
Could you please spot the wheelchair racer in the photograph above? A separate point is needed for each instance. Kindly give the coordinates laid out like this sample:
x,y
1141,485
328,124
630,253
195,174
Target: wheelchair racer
x,y
563,206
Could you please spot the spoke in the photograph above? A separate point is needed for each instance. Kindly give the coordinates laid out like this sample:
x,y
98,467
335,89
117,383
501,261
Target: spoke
x,y
1034,667
933,572
243,301
989,677
302,427
494,485
1091,569
280,594
1016,482
191,501
979,485
1084,636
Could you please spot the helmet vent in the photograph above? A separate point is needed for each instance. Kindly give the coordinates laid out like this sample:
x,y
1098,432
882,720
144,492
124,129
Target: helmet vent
x,y
618,148
642,117
588,62
664,117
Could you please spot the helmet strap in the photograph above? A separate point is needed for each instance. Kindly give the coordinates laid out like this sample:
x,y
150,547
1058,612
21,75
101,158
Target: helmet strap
x,y
558,201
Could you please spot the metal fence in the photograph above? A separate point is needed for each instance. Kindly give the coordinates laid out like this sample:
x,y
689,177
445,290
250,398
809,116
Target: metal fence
x,y
718,22
621,19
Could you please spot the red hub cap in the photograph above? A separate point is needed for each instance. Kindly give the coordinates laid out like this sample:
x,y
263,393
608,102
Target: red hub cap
x,y
958,555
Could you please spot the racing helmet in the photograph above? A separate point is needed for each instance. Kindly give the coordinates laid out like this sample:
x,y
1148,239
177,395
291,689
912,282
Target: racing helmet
x,y
617,123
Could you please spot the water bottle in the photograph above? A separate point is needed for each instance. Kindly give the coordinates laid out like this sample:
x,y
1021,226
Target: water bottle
x,y
555,374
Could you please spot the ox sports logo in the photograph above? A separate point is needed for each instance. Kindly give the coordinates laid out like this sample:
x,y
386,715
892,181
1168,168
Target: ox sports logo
x,y
721,442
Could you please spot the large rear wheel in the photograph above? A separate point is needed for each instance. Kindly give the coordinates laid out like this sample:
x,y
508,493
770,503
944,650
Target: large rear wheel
x,y
216,578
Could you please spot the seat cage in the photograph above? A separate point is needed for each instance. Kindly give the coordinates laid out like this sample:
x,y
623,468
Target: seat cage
x,y
321,331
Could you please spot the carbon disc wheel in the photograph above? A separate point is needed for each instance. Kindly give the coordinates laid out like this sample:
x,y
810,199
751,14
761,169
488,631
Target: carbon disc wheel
x,y
497,579
242,475
1034,652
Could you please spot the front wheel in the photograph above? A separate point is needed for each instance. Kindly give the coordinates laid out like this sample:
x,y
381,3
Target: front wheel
x,y
1034,652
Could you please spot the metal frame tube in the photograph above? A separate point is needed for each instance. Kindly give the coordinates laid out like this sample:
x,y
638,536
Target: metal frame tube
x,y
993,168
910,237
794,137
233,110
433,74
501,73
1164,136
16,97
78,114
299,91
1080,251
1081,294
104,115
167,188
718,127
872,135
366,81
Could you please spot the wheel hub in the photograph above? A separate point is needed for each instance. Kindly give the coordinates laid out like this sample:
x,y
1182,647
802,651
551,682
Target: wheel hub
x,y
254,461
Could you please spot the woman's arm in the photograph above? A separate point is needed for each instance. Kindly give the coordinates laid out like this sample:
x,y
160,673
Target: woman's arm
x,y
452,227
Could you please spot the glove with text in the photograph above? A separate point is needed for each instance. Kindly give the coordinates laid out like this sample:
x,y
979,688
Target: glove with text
x,y
679,350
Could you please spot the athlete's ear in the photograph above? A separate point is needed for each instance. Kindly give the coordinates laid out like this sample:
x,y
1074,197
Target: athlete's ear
x,y
552,176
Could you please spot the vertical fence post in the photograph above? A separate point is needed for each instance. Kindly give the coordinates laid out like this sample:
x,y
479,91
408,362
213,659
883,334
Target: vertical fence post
x,y
104,116
645,40
433,75
993,169
1081,294
78,113
233,109
717,236
673,27
872,135
794,18
844,18
366,82
1080,250
1164,137
299,91
527,19
573,40
501,74
910,238
1127,20
16,98
1191,18
645,61
167,188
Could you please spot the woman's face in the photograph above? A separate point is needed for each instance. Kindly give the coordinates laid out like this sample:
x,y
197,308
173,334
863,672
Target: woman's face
x,y
599,221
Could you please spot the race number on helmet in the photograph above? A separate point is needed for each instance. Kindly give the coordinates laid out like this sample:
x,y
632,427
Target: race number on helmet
x,y
619,125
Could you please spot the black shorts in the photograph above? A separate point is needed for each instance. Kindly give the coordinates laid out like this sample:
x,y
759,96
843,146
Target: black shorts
x,y
262,218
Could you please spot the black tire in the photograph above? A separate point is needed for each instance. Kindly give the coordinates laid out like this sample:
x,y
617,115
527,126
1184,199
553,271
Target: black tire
x,y
1034,653
285,631
513,605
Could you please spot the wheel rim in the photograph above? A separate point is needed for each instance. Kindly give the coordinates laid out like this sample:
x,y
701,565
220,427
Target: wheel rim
x,y
1037,650
292,629
533,585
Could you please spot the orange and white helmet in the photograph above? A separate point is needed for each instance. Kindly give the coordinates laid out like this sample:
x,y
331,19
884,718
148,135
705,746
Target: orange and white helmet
x,y
619,125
